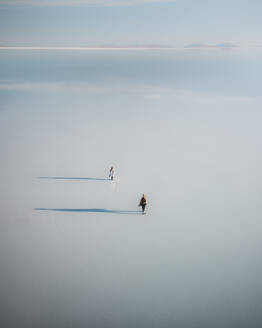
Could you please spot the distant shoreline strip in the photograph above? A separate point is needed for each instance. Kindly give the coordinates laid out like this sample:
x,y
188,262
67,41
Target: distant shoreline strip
x,y
102,48
89,48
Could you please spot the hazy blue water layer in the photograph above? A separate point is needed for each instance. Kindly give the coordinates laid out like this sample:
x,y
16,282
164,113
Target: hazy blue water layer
x,y
217,71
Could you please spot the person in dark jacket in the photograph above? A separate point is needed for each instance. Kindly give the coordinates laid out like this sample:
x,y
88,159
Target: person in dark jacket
x,y
143,203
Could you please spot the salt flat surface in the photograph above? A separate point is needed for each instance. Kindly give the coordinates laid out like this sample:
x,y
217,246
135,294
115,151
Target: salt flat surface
x,y
185,129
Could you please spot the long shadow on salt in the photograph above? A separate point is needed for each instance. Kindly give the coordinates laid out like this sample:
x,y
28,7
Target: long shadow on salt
x,y
88,210
74,178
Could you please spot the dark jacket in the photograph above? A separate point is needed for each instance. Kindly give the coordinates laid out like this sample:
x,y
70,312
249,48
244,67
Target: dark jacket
x,y
143,202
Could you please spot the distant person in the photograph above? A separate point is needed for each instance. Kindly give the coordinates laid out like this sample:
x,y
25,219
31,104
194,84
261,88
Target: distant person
x,y
143,203
112,173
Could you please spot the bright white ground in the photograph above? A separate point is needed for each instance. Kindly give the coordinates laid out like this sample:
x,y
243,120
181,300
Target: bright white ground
x,y
194,260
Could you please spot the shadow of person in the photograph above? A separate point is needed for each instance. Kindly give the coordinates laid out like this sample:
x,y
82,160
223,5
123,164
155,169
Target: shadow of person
x,y
74,178
88,210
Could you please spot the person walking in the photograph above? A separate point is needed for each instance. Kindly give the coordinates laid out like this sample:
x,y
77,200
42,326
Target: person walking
x,y
143,203
111,173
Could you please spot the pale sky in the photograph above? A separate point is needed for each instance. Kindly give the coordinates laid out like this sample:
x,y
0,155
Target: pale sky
x,y
129,22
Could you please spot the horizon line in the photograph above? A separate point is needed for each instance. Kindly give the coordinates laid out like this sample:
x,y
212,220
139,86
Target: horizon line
x,y
116,48
86,48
